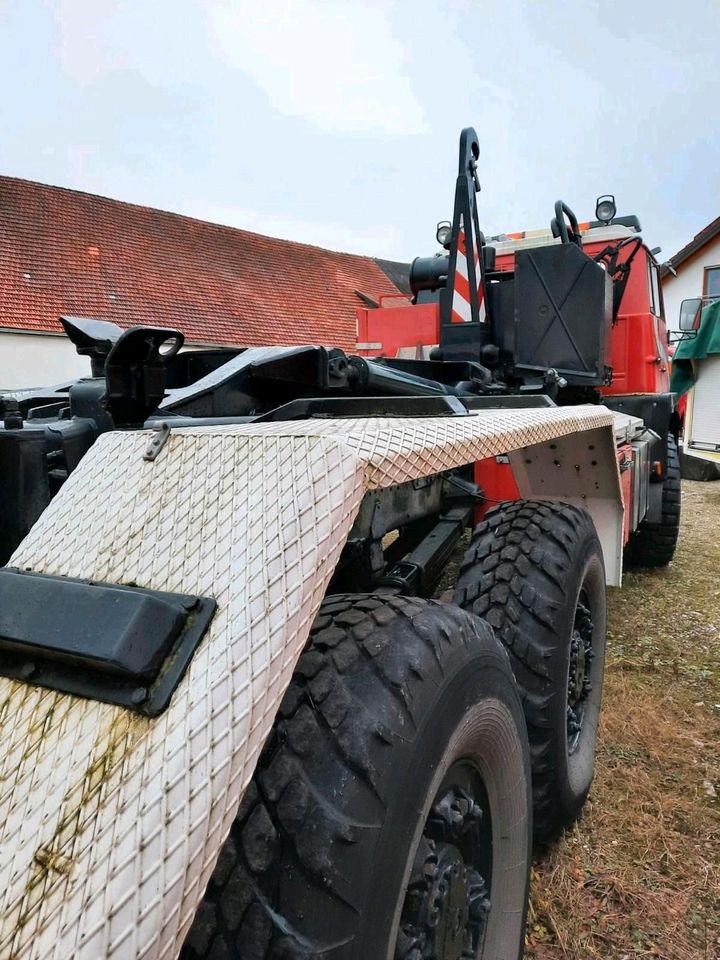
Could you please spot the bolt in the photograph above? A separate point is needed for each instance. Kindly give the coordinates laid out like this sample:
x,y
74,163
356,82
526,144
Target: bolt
x,y
479,908
28,670
138,696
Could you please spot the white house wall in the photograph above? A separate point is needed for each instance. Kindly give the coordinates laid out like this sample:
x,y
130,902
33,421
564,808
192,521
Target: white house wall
x,y
689,281
38,360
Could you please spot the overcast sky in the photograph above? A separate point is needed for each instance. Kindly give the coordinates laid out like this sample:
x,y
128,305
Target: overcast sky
x,y
336,122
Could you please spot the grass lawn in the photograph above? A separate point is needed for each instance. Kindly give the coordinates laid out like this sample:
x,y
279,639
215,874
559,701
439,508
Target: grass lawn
x,y
639,876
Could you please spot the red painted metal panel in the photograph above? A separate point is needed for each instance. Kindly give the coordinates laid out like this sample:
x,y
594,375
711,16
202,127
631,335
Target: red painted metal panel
x,y
395,326
497,482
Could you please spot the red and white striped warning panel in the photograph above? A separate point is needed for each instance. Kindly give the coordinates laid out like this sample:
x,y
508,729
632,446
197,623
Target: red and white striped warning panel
x,y
461,310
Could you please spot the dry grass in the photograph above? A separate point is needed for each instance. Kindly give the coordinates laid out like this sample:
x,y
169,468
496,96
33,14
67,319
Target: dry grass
x,y
639,876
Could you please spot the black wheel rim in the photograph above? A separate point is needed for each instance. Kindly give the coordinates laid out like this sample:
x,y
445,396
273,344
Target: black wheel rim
x,y
447,900
579,671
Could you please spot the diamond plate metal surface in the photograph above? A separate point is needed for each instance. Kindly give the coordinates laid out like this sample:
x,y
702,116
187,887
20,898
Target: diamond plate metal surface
x,y
110,823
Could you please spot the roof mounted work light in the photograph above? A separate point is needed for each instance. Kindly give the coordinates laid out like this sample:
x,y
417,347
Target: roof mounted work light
x,y
442,233
605,208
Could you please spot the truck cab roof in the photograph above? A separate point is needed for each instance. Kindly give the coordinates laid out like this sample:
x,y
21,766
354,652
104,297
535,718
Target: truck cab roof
x,y
592,232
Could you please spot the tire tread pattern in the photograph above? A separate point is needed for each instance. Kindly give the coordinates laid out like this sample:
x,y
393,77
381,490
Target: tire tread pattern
x,y
513,575
292,830
653,544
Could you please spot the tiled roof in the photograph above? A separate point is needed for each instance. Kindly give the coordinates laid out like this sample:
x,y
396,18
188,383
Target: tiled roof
x,y
700,240
67,252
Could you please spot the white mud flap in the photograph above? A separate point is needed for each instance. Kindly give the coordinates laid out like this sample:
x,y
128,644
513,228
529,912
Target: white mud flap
x,y
110,822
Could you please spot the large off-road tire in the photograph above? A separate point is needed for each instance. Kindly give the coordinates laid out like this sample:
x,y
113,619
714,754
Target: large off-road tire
x,y
534,571
653,544
396,773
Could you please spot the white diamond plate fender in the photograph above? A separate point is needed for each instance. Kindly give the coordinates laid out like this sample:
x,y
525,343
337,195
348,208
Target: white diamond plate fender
x,y
111,823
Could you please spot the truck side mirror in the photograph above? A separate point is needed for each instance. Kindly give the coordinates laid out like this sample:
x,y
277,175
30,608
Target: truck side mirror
x,y
690,314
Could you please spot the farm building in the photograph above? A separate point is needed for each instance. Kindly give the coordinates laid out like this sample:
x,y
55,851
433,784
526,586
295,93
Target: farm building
x,y
697,272
67,252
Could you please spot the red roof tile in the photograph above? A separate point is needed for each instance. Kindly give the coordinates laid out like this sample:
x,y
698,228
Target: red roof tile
x,y
66,252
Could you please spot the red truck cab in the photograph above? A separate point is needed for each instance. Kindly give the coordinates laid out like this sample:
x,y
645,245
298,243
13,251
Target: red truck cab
x,y
634,344
637,354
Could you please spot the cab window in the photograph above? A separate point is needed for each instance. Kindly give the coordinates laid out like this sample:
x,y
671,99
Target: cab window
x,y
654,286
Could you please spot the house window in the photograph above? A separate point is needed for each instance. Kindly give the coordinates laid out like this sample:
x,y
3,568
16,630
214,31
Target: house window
x,y
712,282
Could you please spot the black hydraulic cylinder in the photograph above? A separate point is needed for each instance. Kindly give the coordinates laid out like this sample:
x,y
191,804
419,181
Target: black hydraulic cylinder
x,y
377,378
420,571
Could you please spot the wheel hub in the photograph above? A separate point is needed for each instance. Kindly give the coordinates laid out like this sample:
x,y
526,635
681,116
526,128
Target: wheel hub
x,y
578,661
446,904
579,674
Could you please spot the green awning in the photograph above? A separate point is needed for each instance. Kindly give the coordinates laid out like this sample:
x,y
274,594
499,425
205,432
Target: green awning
x,y
706,343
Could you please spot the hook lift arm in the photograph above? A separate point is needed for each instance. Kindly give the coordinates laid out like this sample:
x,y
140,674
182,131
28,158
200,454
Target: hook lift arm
x,y
463,300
